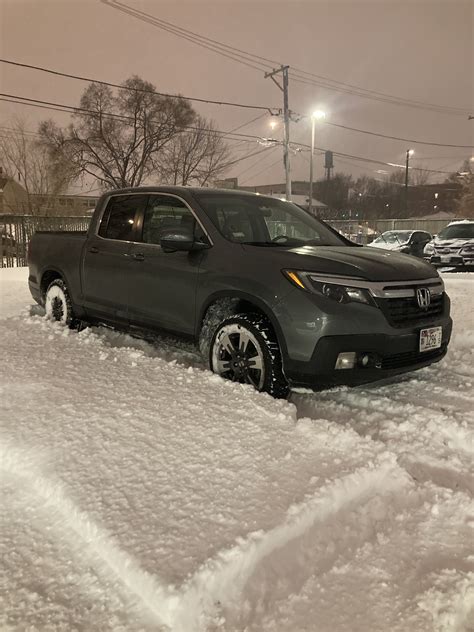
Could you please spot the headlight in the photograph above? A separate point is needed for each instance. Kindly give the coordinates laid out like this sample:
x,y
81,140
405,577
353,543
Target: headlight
x,y
467,249
429,248
329,289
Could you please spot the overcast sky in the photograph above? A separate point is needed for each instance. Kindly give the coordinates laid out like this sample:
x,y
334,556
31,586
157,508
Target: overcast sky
x,y
421,50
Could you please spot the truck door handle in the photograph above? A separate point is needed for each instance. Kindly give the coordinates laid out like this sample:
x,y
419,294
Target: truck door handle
x,y
138,256
94,250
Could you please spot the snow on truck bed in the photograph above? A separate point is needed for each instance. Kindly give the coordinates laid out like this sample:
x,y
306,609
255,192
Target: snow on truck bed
x,y
141,492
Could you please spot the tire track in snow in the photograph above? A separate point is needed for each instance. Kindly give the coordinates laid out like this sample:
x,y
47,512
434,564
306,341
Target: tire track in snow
x,y
219,583
436,447
158,600
217,587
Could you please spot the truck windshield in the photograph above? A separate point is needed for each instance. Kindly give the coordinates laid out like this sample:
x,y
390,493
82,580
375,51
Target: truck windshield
x,y
457,231
264,221
394,237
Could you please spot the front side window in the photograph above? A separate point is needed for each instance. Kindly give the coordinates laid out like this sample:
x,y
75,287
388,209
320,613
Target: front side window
x,y
120,216
163,213
263,221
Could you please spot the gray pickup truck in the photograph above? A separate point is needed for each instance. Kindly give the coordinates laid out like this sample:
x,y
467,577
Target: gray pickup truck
x,y
274,297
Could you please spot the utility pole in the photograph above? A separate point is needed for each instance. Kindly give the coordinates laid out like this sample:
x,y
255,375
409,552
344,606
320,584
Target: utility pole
x,y
286,119
410,152
310,201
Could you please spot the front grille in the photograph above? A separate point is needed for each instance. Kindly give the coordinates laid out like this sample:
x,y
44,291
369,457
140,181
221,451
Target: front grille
x,y
409,358
447,251
404,312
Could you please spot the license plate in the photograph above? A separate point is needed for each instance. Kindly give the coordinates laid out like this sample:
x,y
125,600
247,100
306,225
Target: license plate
x,y
431,338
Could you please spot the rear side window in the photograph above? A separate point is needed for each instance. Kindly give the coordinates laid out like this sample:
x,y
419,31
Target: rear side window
x,y
164,213
120,216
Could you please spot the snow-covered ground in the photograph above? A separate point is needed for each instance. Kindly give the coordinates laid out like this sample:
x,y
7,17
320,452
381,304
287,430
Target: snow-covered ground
x,y
140,492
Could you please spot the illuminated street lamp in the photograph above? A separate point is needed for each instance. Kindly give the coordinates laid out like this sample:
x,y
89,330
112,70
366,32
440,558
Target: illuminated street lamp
x,y
317,115
410,153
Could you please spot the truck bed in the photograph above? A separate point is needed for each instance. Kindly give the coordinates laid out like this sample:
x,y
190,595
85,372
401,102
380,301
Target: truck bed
x,y
64,248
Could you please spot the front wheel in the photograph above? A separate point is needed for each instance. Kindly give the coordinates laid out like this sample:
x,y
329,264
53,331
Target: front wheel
x,y
58,303
244,349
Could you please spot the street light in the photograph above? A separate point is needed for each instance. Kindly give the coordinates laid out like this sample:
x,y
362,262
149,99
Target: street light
x,y
317,115
410,153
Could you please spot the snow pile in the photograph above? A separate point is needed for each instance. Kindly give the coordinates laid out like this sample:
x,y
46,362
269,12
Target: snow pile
x,y
144,493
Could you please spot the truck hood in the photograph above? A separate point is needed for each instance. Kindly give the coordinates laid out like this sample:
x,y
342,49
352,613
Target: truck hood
x,y
452,243
371,264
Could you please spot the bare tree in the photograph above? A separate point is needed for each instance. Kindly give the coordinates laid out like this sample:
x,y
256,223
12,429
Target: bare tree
x,y
419,176
116,136
465,177
28,161
195,157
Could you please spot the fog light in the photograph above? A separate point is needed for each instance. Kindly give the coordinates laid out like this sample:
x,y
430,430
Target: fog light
x,y
364,360
346,360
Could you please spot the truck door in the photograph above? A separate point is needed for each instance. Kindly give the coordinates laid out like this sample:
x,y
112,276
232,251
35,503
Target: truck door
x,y
107,262
163,285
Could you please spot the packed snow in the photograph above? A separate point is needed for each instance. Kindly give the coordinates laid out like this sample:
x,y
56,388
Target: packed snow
x,y
141,492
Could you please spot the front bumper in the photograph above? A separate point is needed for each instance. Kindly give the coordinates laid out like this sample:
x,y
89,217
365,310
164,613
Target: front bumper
x,y
390,354
452,260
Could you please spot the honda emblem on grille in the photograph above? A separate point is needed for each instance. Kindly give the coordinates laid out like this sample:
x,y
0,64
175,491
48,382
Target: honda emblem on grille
x,y
423,297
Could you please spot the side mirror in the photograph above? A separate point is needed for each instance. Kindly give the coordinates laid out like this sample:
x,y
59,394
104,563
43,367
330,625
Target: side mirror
x,y
180,239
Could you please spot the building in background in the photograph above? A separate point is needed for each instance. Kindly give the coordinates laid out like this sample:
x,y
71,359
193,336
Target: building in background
x,y
13,197
300,192
15,200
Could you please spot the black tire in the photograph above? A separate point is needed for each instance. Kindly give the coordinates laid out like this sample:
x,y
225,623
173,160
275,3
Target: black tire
x,y
243,343
58,304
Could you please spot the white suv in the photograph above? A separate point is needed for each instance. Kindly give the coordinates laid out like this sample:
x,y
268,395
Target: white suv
x,y
453,247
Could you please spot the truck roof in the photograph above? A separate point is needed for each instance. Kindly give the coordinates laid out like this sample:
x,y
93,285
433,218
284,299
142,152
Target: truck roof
x,y
179,189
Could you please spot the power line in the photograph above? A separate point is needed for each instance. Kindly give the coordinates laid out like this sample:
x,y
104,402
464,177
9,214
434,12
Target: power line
x,y
406,140
225,103
242,57
260,63
262,171
271,151
442,109
251,155
72,109
132,89
235,129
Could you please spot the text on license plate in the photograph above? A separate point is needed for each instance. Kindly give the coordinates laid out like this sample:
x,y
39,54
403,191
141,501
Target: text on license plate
x,y
431,338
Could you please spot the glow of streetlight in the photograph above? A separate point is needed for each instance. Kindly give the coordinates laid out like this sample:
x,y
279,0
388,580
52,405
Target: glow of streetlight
x,y
318,115
411,152
273,124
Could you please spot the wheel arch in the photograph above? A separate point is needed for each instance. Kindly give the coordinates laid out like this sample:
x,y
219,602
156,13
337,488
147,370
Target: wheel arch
x,y
49,275
244,303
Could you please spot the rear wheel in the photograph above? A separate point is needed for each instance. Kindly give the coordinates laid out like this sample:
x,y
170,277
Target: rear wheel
x,y
244,349
58,304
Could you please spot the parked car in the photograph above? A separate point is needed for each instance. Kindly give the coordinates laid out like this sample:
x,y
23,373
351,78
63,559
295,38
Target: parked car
x,y
274,297
410,242
453,246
